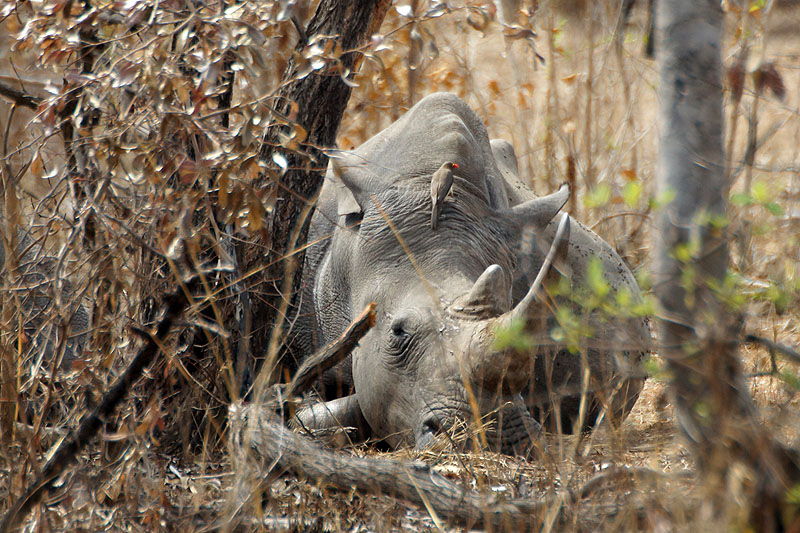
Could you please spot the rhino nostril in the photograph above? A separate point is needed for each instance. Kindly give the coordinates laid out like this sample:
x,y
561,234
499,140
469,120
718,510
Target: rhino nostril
x,y
430,427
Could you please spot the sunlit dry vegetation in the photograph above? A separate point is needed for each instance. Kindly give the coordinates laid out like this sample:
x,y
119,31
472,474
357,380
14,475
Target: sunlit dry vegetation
x,y
131,152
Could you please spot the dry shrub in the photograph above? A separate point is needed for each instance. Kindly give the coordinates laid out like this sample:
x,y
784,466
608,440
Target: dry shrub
x,y
142,92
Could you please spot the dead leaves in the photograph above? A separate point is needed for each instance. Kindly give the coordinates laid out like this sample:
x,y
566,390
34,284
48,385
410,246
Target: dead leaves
x,y
764,77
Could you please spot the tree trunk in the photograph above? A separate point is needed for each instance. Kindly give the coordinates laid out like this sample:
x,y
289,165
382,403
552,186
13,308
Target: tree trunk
x,y
698,334
313,107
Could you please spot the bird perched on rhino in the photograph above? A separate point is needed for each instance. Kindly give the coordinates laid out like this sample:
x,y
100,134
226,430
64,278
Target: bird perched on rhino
x,y
441,182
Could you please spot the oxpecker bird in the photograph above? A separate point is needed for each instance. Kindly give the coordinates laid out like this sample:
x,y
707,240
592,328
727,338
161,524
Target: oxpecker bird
x,y
441,182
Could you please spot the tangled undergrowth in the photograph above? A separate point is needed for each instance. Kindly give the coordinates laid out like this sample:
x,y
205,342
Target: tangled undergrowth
x,y
145,104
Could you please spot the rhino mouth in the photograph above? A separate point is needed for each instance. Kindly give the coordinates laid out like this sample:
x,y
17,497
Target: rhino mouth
x,y
508,429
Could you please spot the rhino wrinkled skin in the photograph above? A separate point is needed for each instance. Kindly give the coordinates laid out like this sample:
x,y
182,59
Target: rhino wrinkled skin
x,y
36,271
441,295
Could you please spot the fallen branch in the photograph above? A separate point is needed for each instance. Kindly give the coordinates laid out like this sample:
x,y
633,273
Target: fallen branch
x,y
19,97
66,453
261,447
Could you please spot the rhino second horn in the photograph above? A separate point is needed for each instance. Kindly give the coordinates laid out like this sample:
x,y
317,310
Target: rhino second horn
x,y
524,309
489,296
540,211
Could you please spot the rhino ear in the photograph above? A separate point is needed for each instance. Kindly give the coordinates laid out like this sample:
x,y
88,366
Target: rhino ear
x,y
540,211
352,192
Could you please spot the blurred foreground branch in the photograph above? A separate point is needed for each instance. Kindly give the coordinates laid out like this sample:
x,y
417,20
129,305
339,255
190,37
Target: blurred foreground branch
x,y
699,333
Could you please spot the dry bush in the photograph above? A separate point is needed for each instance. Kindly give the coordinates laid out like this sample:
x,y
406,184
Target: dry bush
x,y
134,144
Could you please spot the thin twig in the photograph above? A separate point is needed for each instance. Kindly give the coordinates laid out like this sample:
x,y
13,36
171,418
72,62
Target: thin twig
x,y
789,353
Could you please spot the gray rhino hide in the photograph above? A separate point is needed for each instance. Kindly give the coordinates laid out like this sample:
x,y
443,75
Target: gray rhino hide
x,y
37,290
444,292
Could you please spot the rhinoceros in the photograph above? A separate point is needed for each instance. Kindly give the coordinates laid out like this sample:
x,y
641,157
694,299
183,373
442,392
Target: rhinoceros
x,y
432,359
38,292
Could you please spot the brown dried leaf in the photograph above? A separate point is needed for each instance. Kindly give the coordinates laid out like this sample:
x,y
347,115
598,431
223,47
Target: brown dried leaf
x,y
767,76
735,77
37,166
569,80
126,74
188,172
224,183
255,217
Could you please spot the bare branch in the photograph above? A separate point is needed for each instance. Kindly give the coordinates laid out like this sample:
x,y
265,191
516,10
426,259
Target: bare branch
x,y
261,445
332,354
19,97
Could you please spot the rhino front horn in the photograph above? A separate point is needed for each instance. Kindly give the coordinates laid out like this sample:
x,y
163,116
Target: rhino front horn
x,y
525,309
490,296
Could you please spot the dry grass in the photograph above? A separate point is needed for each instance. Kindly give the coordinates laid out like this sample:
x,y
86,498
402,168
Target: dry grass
x,y
599,132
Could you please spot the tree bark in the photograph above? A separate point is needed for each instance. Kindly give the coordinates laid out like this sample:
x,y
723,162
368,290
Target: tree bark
x,y
313,104
698,333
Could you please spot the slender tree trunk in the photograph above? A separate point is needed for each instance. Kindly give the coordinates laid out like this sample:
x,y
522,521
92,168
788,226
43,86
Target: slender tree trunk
x,y
699,335
312,107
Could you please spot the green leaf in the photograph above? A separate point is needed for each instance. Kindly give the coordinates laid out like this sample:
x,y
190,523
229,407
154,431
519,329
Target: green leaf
x,y
662,199
761,193
719,221
774,208
655,369
790,379
793,495
598,197
683,252
631,193
514,337
624,299
647,307
644,279
595,276
741,199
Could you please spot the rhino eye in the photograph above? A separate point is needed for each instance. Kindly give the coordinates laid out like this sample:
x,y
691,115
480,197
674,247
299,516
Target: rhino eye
x,y
398,329
399,337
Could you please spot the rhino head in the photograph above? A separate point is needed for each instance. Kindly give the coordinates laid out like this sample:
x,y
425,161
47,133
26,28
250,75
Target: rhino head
x,y
430,361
